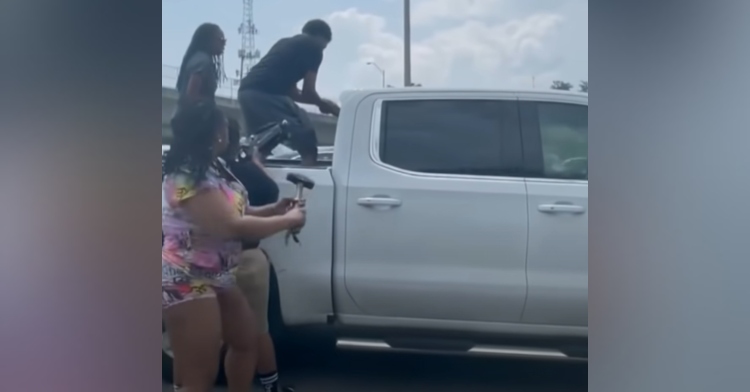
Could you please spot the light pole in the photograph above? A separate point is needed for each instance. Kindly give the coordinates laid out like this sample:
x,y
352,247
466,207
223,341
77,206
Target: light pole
x,y
382,72
407,43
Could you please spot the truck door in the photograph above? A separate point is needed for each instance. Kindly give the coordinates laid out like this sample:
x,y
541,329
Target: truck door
x,y
556,143
436,224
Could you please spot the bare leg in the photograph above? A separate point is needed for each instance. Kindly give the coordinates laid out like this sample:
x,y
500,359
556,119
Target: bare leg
x,y
267,355
241,337
253,278
195,332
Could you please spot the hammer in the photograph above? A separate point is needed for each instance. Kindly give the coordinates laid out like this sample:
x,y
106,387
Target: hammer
x,y
301,182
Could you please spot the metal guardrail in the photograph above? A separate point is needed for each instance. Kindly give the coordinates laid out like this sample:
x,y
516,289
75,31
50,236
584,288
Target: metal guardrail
x,y
227,89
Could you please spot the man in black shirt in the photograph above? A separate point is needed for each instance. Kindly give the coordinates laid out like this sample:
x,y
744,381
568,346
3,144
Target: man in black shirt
x,y
269,91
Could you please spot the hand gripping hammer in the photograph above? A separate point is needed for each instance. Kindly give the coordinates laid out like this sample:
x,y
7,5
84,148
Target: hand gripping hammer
x,y
301,182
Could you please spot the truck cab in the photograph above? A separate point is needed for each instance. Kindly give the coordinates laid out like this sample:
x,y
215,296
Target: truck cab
x,y
447,220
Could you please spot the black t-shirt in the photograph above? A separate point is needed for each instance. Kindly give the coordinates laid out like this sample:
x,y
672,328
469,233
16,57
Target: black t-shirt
x,y
261,189
288,61
202,64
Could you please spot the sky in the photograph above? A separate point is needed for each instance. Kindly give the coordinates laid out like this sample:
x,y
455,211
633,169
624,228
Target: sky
x,y
455,43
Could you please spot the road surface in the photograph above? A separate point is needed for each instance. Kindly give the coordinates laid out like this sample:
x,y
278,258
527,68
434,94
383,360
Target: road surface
x,y
380,372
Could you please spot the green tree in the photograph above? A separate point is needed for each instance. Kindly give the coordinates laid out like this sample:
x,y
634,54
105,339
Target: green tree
x,y
584,86
560,85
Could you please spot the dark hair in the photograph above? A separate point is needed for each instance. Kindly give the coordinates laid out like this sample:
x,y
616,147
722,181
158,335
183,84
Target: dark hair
x,y
318,28
194,128
201,42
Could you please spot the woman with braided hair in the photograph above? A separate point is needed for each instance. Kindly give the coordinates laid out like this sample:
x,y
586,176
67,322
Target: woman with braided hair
x,y
205,218
202,68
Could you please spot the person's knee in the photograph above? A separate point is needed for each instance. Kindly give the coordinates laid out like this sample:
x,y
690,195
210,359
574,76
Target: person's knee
x,y
243,339
194,329
238,322
246,345
253,277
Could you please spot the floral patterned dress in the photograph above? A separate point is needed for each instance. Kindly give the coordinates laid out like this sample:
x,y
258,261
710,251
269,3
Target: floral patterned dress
x,y
194,264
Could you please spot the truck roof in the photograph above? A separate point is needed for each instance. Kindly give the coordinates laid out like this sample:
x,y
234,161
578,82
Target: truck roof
x,y
359,94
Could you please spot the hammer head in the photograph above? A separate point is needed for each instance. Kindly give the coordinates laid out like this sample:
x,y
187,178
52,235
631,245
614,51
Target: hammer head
x,y
298,179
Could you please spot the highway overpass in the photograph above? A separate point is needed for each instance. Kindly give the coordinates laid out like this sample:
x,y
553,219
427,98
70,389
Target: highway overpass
x,y
324,125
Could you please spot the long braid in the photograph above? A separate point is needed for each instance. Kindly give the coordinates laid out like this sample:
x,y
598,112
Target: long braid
x,y
221,75
201,42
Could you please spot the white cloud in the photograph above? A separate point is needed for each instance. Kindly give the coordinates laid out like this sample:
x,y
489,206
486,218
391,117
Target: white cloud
x,y
428,11
472,53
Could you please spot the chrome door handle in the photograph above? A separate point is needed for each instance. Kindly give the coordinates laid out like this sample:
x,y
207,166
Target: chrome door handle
x,y
379,202
561,209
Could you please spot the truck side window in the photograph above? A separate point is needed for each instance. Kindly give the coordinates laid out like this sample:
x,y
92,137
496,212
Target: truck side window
x,y
461,137
565,140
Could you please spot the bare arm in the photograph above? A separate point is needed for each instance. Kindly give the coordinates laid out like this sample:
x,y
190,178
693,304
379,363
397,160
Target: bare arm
x,y
262,212
309,94
210,210
274,209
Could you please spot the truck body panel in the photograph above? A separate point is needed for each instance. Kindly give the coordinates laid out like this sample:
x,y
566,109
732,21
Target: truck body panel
x,y
447,220
387,247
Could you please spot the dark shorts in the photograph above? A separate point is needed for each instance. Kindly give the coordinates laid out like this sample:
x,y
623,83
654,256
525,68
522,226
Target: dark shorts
x,y
261,109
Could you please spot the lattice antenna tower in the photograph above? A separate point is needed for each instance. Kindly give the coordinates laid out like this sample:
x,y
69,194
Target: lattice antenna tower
x,y
248,53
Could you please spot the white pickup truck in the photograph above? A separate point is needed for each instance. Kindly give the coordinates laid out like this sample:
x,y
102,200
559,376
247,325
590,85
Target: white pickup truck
x,y
448,221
